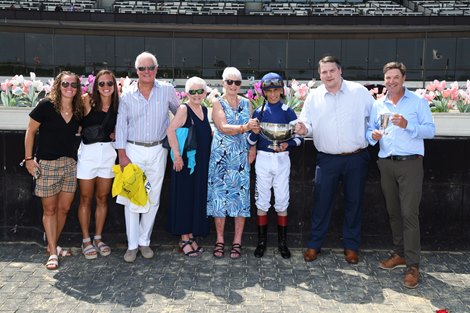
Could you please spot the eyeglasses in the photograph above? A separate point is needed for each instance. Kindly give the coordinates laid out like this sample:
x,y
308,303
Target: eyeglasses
x,y
110,83
143,68
67,84
192,92
231,82
272,83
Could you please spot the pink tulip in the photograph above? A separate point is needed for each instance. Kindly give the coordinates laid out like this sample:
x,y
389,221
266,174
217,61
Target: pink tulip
x,y
442,85
303,91
4,86
446,93
257,87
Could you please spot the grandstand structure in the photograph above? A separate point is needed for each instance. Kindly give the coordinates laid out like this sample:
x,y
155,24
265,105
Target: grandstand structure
x,y
202,37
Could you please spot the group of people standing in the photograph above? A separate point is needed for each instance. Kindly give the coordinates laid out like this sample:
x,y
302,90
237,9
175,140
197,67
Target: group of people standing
x,y
213,178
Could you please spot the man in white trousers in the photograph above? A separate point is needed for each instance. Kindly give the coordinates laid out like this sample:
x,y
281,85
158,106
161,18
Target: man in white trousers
x,y
141,126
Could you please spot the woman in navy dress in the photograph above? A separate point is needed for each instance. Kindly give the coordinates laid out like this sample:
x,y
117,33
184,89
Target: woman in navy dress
x,y
188,215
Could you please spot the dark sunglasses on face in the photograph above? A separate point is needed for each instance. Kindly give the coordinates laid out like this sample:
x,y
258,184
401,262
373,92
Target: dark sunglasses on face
x,y
143,68
67,84
271,83
110,83
231,82
192,92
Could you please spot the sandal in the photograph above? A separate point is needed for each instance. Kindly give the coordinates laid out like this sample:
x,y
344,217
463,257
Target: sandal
x,y
236,253
63,252
192,252
101,247
53,262
88,249
198,249
219,250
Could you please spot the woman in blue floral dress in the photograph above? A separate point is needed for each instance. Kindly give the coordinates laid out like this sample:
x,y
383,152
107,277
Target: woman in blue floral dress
x,y
228,191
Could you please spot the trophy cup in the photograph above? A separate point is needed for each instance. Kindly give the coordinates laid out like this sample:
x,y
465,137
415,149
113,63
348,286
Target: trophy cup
x,y
384,120
277,133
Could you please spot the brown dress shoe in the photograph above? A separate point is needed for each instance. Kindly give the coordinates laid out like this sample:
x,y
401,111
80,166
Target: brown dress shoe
x,y
351,256
310,255
392,262
411,277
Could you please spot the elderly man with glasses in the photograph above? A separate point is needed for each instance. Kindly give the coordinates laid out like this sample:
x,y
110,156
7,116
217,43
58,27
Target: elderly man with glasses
x,y
140,129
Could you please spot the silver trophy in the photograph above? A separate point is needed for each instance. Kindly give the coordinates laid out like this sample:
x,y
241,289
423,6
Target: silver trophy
x,y
277,133
384,121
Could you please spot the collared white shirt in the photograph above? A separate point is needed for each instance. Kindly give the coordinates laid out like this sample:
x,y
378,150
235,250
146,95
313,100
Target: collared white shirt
x,y
338,122
145,120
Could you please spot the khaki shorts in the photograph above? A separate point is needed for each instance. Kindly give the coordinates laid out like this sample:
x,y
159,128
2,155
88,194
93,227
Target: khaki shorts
x,y
56,176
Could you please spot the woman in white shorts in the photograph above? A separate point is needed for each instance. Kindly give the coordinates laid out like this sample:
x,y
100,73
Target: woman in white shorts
x,y
96,157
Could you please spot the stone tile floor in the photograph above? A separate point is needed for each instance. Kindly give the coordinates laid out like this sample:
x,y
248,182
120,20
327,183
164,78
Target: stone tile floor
x,y
172,282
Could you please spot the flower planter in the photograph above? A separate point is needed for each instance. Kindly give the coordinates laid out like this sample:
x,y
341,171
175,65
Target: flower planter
x,y
14,118
452,124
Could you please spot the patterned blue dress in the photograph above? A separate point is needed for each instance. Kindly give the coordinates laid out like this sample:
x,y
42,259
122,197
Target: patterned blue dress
x,y
228,191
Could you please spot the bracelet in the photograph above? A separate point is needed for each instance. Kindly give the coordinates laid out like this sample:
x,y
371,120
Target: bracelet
x,y
242,129
25,160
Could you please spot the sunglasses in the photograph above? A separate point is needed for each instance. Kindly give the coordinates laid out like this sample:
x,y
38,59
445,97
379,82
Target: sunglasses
x,y
272,83
67,84
110,83
231,82
150,68
192,92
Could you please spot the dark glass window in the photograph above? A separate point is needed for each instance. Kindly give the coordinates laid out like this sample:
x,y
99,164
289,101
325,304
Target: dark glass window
x,y
127,49
410,52
381,51
69,53
162,48
462,61
272,56
39,54
188,57
440,58
354,54
99,53
324,47
12,54
244,55
301,63
215,57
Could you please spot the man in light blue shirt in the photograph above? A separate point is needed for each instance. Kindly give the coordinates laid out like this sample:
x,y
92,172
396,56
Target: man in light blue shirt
x,y
143,118
399,122
335,114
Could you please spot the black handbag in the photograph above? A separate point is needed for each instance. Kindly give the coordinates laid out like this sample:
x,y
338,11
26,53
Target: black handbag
x,y
95,133
191,140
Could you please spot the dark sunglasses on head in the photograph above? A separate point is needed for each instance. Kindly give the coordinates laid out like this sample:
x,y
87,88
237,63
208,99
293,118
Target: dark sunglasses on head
x,y
143,68
110,83
67,84
272,83
192,92
231,82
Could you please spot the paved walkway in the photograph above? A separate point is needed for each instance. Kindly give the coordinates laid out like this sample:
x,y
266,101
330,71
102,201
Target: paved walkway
x,y
172,282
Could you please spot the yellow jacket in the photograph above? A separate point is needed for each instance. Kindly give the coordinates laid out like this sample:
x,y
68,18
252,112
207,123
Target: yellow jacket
x,y
130,183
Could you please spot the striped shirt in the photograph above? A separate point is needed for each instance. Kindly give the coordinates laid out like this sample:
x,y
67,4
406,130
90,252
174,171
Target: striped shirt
x,y
145,120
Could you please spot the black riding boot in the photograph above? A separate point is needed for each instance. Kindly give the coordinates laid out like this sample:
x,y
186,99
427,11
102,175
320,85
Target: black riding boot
x,y
282,239
262,239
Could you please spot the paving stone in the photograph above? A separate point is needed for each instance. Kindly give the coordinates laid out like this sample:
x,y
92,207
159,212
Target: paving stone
x,y
172,282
